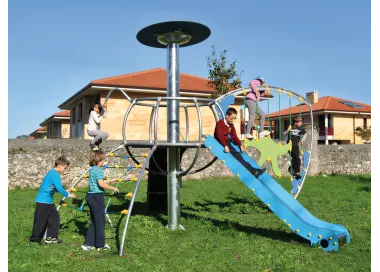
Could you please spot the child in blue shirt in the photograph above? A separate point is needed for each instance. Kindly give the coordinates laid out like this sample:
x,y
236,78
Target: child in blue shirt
x,y
46,215
95,238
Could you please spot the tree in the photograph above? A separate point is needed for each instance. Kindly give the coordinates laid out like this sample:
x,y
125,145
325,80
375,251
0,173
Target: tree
x,y
363,133
222,77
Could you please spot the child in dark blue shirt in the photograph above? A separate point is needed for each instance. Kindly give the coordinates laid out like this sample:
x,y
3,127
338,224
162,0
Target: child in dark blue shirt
x,y
46,215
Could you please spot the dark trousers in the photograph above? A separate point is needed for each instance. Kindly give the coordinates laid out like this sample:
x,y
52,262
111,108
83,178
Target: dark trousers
x,y
239,157
95,233
296,161
45,216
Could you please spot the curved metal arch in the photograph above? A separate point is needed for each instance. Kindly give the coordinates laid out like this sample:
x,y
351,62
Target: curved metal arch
x,y
292,95
216,120
117,89
155,118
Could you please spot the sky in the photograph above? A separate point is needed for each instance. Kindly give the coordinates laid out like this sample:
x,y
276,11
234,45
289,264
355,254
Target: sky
x,y
55,48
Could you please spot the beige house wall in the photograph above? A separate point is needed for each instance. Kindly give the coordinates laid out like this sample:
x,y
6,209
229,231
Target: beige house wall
x,y
57,129
344,126
65,129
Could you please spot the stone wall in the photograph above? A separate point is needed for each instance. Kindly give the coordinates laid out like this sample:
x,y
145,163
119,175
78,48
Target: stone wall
x,y
29,160
344,159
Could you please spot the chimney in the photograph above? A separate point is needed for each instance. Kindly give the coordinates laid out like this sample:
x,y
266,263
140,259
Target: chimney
x,y
312,97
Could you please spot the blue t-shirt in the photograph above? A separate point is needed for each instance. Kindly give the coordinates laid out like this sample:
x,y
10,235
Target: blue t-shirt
x,y
50,184
96,173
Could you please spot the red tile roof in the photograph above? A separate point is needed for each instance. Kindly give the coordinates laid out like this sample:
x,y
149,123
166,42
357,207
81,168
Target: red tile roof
x,y
155,79
326,103
65,113
41,129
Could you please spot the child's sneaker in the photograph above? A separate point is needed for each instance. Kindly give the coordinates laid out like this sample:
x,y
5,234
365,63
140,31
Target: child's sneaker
x,y
94,147
54,240
249,136
297,175
263,134
87,248
258,172
105,247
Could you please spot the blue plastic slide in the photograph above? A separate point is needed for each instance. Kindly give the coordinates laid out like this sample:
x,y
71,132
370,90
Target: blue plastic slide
x,y
288,209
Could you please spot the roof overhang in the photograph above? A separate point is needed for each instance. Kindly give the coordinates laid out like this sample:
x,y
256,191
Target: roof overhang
x,y
91,90
323,112
54,119
37,132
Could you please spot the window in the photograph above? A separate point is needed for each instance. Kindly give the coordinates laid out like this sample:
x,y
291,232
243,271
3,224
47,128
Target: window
x,y
365,122
329,120
80,112
351,104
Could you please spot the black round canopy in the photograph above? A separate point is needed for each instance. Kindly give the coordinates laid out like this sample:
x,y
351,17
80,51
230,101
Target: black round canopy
x,y
148,35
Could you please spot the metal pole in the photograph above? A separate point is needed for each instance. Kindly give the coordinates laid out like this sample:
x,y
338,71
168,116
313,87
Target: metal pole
x,y
172,78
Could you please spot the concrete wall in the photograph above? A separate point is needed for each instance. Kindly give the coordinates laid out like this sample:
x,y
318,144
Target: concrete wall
x,y
29,160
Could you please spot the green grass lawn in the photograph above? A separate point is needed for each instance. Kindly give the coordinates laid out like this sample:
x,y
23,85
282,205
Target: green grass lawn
x,y
227,229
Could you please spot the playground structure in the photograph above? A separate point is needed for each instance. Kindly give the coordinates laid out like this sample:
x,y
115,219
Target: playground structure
x,y
171,35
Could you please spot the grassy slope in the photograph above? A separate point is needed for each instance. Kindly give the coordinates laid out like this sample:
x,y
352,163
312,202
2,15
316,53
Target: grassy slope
x,y
227,229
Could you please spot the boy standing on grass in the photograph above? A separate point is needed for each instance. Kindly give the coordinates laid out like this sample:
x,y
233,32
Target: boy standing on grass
x,y
296,132
95,238
46,215
225,134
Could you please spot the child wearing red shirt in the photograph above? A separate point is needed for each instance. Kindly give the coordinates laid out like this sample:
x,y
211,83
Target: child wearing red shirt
x,y
225,128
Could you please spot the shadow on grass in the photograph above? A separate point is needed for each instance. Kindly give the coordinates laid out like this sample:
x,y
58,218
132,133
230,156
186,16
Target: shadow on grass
x,y
141,208
227,225
272,234
365,189
360,178
207,204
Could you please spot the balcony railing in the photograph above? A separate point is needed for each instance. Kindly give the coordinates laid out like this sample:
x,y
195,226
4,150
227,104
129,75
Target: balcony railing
x,y
323,131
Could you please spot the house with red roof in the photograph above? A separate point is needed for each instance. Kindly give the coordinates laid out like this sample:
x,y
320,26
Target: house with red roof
x,y
335,117
58,125
39,133
148,83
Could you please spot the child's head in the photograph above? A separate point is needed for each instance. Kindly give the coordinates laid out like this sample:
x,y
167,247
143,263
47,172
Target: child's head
x,y
61,164
261,79
96,107
231,115
297,121
97,158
